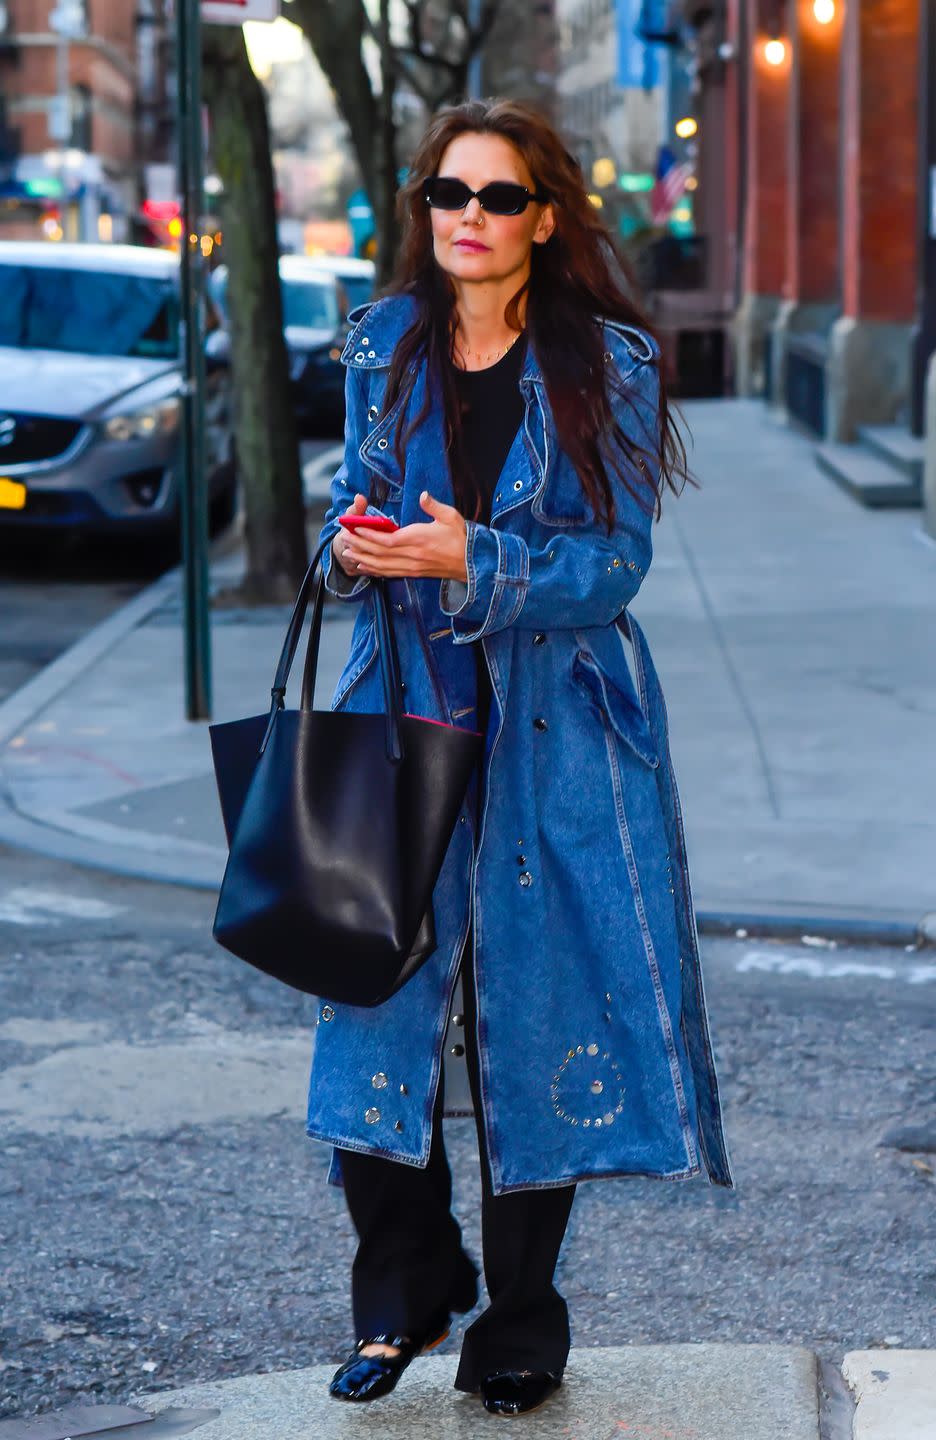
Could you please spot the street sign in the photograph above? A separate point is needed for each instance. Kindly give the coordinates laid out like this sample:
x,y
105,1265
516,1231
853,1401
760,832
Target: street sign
x,y
235,12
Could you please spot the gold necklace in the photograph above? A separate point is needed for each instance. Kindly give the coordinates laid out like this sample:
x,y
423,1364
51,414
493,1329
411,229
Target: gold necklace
x,y
494,355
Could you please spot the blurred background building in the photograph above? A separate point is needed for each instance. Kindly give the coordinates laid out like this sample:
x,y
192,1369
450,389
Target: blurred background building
x,y
816,144
87,107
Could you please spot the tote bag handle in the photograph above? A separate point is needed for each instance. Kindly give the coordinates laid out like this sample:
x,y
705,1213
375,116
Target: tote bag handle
x,y
387,655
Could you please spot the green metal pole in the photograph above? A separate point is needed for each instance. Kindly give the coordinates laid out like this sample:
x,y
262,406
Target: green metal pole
x,y
193,498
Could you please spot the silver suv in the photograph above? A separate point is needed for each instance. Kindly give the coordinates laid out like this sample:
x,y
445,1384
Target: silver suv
x,y
89,387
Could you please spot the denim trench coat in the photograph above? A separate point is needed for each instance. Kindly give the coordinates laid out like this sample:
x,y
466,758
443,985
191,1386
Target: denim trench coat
x,y
593,1037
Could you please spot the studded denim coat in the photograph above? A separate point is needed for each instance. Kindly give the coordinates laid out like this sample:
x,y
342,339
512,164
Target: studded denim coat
x,y
593,1035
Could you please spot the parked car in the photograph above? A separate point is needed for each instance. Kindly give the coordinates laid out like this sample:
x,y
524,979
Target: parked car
x,y
358,277
89,391
315,318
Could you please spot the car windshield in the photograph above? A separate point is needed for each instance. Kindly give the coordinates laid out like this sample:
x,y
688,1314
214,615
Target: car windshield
x,y
359,289
310,303
88,312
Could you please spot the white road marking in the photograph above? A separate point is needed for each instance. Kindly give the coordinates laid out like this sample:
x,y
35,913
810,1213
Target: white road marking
x,y
817,968
25,906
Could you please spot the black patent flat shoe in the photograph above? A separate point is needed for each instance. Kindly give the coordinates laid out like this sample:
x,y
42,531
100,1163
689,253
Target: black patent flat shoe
x,y
367,1377
517,1392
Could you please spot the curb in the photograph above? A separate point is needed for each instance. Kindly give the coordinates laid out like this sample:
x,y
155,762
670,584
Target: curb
x,y
850,929
204,874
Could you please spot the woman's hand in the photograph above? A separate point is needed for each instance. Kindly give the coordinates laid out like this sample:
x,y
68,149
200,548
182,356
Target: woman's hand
x,y
436,551
343,537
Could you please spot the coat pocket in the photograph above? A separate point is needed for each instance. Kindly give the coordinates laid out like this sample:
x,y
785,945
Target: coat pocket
x,y
627,719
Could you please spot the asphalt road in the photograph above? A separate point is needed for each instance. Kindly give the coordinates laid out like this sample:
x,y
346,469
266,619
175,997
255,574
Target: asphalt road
x,y
164,1219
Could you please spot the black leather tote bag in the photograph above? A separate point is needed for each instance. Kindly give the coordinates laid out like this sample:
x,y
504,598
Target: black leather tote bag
x,y
337,826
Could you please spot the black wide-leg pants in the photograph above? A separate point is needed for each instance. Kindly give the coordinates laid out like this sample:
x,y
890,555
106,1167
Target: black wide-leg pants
x,y
410,1269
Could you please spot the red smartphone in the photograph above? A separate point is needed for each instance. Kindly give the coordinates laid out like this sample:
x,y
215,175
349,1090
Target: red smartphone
x,y
367,522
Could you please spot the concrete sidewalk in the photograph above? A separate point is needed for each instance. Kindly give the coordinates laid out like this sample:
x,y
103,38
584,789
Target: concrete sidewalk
x,y
794,635
646,1392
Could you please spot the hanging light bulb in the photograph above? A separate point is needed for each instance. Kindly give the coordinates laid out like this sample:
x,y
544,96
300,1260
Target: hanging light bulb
x,y
824,11
775,52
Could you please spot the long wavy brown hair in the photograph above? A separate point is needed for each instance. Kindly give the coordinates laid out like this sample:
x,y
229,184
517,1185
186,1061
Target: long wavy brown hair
x,y
576,277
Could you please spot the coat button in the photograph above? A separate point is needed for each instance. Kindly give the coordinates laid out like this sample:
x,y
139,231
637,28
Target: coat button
x,y
540,724
458,1020
526,879
458,1050
371,1116
539,638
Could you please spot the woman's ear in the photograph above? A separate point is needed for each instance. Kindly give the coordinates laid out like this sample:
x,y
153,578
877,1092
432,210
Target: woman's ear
x,y
545,226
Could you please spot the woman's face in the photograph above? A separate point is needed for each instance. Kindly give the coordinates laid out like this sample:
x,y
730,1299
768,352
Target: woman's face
x,y
472,245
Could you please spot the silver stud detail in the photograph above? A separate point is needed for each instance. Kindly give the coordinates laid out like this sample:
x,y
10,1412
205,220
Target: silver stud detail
x,y
592,1049
609,1118
371,1115
327,1013
615,561
526,879
398,1124
382,444
379,1081
373,412
371,354
365,340
596,1087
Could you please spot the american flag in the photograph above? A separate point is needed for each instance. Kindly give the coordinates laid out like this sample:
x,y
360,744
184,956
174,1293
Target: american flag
x,y
668,185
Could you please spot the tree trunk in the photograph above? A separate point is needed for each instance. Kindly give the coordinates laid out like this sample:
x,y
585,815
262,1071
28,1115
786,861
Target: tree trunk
x,y
335,30
384,202
264,425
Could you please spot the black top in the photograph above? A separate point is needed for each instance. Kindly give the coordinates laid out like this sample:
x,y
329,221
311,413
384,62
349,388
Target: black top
x,y
491,414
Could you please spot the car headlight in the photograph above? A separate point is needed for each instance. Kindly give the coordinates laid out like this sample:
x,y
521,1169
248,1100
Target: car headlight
x,y
159,419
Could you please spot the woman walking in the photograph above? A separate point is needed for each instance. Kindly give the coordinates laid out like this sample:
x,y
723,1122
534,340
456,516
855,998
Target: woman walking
x,y
505,407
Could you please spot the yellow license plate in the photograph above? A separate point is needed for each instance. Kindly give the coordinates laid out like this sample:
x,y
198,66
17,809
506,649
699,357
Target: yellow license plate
x,y
12,494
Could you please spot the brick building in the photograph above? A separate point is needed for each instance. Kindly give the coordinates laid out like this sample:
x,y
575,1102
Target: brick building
x,y
812,181
84,85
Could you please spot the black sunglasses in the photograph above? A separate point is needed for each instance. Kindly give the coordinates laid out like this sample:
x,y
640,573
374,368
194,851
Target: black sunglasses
x,y
501,197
